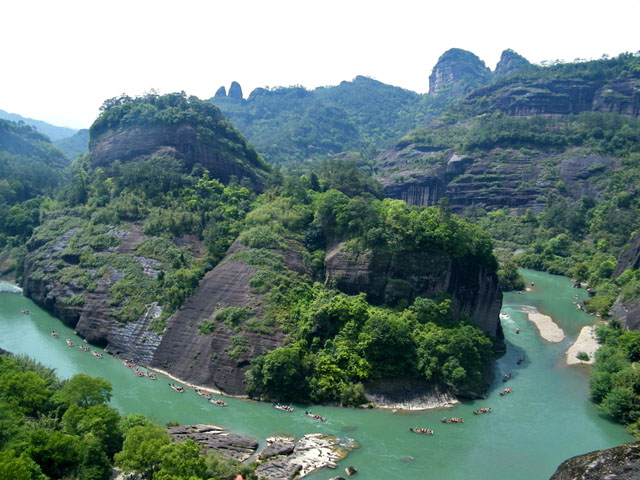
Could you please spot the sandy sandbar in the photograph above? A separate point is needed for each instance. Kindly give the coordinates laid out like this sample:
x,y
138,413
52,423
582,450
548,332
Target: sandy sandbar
x,y
548,329
586,342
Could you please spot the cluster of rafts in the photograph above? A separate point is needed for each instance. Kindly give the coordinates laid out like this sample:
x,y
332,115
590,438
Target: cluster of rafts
x,y
84,348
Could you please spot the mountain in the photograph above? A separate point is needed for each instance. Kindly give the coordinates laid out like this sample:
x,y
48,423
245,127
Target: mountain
x,y
193,132
75,145
293,126
457,72
52,131
161,250
510,62
30,169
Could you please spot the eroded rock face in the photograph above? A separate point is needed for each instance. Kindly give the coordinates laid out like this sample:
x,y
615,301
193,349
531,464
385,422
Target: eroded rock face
x,y
457,72
620,463
181,142
209,359
517,97
621,95
495,179
93,319
386,278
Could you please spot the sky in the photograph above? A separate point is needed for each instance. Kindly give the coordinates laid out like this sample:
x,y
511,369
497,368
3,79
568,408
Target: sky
x,y
61,59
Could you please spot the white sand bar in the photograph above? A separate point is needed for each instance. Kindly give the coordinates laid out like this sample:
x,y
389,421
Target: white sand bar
x,y
546,326
587,343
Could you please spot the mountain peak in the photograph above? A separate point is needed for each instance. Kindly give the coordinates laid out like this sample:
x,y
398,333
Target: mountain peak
x,y
510,61
457,72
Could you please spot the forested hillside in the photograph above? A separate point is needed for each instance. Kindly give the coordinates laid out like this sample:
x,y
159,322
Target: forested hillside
x,y
293,126
153,209
31,169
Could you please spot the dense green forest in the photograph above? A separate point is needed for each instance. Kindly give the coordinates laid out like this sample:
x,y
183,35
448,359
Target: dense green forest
x,y
335,341
64,429
615,379
31,169
293,127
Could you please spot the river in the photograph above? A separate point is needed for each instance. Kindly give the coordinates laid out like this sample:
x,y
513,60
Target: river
x,y
547,419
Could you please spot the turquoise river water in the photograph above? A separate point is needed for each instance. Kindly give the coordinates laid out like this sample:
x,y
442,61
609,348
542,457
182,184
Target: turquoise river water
x,y
547,419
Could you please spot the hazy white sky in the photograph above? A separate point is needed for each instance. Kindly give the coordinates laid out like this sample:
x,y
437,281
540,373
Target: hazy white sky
x,y
61,59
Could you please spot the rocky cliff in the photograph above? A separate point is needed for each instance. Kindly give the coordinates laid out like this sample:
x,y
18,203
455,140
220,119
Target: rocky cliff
x,y
540,95
218,359
93,319
457,72
620,463
387,278
182,142
499,177
510,62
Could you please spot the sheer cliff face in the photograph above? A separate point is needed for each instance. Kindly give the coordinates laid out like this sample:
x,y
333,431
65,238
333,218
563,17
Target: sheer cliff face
x,y
182,142
386,278
217,359
209,358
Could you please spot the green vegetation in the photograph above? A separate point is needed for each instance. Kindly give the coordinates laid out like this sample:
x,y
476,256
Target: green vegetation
x,y
615,380
335,342
177,109
293,127
31,168
53,429
149,198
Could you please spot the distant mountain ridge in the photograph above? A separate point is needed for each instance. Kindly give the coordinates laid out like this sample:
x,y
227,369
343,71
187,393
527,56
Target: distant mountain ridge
x,y
52,131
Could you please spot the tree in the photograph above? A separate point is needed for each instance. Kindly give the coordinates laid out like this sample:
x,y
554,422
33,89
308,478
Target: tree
x,y
84,391
142,450
102,421
181,461
20,467
25,391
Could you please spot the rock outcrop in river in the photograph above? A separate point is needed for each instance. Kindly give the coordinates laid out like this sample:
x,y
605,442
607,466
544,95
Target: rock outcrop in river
x,y
620,463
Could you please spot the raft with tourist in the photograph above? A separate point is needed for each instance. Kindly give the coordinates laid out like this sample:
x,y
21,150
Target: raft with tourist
x,y
315,416
84,348
55,334
203,393
506,377
218,402
284,408
69,342
482,410
177,388
452,420
424,431
506,391
96,354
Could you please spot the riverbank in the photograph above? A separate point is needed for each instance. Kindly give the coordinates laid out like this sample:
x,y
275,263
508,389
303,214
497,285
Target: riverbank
x,y
587,343
192,385
408,394
547,328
